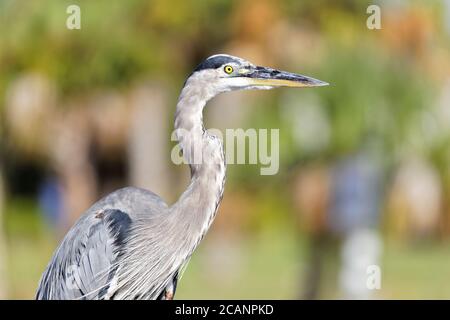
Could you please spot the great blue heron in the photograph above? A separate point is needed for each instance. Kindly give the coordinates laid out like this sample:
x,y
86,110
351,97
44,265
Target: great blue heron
x,y
131,244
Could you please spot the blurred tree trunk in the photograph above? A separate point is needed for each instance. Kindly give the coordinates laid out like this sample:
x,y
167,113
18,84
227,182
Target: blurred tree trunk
x,y
70,154
3,284
148,152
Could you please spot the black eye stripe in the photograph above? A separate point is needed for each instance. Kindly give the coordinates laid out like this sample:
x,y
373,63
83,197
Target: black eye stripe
x,y
214,63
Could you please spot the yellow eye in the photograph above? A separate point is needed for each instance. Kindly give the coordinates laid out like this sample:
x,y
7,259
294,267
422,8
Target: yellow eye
x,y
228,69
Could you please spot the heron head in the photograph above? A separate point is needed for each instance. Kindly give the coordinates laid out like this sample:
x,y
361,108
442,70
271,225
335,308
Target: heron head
x,y
221,73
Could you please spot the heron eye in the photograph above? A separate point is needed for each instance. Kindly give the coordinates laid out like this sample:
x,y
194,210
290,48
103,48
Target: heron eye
x,y
228,69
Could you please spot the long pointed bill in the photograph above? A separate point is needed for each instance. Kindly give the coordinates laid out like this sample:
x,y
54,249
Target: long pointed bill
x,y
262,76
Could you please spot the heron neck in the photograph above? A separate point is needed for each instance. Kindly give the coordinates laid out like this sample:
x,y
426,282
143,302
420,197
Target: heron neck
x,y
204,153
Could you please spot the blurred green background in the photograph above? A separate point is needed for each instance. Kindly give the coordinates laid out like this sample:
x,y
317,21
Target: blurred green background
x,y
83,112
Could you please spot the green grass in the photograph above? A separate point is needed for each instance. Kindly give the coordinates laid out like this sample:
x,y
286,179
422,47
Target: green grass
x,y
418,272
268,264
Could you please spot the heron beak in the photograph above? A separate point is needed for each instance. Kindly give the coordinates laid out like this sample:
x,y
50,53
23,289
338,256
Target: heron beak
x,y
262,76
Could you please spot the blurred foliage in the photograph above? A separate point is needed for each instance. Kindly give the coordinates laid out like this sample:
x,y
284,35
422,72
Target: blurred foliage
x,y
121,40
378,88
382,83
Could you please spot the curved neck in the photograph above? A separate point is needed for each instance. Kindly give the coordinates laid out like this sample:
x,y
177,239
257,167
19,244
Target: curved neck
x,y
204,153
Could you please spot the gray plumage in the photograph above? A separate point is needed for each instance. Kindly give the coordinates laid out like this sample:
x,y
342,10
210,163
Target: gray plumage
x,y
131,244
